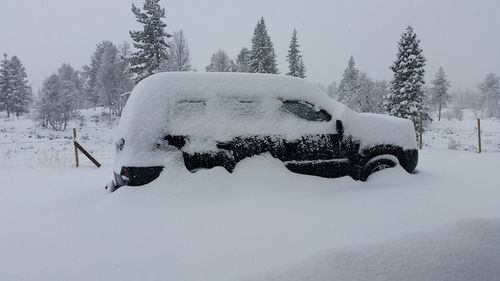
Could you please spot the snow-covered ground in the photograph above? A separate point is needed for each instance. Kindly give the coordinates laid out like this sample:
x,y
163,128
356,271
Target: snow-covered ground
x,y
260,223
462,135
23,143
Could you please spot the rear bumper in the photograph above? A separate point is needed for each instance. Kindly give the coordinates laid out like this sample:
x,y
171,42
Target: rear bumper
x,y
134,176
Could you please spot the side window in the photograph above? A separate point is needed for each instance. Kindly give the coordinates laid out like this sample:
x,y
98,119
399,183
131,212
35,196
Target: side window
x,y
240,107
304,110
189,108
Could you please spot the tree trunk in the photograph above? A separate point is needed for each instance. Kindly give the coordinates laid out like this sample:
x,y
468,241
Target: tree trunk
x,y
439,118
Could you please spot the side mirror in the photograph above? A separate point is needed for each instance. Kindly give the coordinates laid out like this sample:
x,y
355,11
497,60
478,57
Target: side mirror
x,y
340,127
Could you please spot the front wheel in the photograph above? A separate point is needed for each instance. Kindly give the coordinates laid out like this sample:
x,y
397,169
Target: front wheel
x,y
376,165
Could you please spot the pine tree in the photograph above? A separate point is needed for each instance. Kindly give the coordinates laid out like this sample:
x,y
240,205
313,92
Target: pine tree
x,y
295,61
406,98
332,90
92,91
302,69
262,56
243,61
358,91
379,90
348,86
108,78
178,54
149,42
490,95
48,109
21,91
440,95
6,85
124,77
15,93
68,94
220,62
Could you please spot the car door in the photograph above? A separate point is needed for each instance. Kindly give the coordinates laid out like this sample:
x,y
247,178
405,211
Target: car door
x,y
316,153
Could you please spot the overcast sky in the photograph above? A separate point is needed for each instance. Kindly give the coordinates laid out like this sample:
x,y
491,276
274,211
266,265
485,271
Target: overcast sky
x,y
462,36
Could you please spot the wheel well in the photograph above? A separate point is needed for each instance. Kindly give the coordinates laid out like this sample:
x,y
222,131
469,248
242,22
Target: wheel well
x,y
382,150
374,153
383,156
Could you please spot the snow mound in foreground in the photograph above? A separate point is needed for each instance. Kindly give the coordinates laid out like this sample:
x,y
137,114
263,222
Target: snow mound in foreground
x,y
464,251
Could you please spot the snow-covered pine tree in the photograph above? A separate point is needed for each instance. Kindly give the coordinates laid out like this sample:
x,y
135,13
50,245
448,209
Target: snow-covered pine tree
x,y
349,86
295,61
48,109
378,91
302,68
68,92
90,73
332,90
262,56
490,95
125,83
243,60
107,79
440,96
15,93
150,42
357,90
406,98
365,100
6,85
21,92
220,62
178,54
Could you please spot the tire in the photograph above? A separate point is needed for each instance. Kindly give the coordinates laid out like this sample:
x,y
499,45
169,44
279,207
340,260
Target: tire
x,y
376,165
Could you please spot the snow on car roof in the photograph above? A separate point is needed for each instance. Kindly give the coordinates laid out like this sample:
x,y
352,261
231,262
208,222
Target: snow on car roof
x,y
182,85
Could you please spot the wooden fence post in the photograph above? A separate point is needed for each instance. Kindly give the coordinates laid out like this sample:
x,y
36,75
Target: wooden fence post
x,y
479,133
87,154
420,137
76,149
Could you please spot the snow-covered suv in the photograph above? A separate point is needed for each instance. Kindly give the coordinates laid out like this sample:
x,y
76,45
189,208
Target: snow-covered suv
x,y
218,119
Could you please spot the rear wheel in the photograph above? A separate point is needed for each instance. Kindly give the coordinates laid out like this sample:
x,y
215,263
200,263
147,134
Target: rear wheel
x,y
376,165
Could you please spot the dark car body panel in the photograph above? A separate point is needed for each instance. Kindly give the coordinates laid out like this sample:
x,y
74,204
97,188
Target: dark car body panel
x,y
324,155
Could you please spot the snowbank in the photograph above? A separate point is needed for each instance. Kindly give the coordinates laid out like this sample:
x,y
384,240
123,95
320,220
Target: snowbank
x,y
212,225
463,251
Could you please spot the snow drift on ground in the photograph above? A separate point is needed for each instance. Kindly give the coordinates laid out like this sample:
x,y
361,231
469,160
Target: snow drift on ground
x,y
255,223
466,250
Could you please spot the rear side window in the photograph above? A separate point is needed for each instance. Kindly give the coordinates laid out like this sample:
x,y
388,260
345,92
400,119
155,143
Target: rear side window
x,y
189,108
247,108
304,110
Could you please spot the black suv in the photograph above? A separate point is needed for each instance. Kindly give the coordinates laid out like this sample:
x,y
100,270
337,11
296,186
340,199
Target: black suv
x,y
219,119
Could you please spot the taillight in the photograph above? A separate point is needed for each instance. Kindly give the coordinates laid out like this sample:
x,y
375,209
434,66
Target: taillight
x,y
124,174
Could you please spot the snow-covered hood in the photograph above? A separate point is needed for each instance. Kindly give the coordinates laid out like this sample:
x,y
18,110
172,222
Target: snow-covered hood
x,y
376,129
